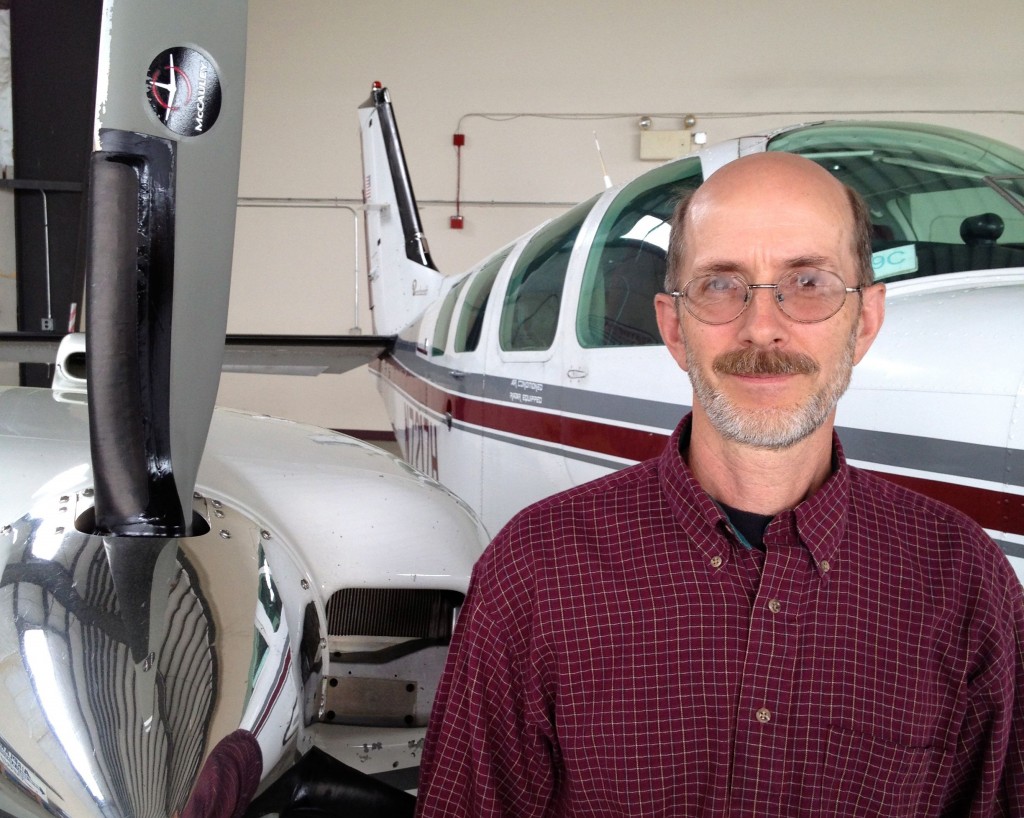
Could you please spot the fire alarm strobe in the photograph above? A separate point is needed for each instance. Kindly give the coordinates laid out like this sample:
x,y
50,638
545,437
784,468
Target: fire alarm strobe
x,y
183,89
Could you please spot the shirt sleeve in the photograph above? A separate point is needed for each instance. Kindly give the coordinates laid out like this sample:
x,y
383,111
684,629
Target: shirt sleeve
x,y
489,750
988,770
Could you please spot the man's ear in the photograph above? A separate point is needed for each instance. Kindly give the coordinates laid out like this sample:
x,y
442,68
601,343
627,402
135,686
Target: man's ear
x,y
668,325
872,314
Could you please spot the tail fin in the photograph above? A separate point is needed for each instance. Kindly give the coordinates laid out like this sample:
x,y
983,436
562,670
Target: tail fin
x,y
403,278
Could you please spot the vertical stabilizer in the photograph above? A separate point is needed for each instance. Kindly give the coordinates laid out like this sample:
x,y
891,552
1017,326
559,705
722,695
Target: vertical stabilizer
x,y
403,279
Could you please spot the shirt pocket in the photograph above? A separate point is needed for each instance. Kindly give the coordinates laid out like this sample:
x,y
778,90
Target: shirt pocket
x,y
866,776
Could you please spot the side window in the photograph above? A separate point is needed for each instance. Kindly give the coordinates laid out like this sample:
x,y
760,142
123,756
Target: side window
x,y
471,318
444,319
626,265
934,194
529,315
271,605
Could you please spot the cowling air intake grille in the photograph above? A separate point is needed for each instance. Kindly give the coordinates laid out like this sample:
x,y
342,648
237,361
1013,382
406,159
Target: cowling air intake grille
x,y
403,613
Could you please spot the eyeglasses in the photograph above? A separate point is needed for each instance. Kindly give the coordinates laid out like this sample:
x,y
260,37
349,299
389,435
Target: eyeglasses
x,y
807,295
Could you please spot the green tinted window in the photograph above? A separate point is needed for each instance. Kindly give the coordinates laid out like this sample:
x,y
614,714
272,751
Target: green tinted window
x,y
937,196
626,264
530,312
269,598
259,656
444,319
471,319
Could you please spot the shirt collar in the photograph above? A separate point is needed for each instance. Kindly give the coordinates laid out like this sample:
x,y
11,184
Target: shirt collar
x,y
819,522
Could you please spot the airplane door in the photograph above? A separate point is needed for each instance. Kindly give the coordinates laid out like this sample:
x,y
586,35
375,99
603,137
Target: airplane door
x,y
619,404
623,393
522,458
459,443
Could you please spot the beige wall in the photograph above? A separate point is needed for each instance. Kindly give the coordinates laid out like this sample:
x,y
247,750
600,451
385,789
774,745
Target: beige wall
x,y
311,63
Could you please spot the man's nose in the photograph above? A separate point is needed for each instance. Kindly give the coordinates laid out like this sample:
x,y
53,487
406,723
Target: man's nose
x,y
763,321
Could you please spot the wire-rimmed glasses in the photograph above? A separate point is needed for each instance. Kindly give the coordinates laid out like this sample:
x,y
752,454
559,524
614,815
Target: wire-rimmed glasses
x,y
807,295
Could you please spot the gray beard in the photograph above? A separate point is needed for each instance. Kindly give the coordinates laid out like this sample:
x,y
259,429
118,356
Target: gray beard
x,y
772,428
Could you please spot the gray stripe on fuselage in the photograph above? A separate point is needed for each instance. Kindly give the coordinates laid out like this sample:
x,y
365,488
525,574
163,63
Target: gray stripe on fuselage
x,y
1011,549
995,464
590,405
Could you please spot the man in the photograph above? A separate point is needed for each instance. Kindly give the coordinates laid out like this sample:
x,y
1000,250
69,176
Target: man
x,y
745,625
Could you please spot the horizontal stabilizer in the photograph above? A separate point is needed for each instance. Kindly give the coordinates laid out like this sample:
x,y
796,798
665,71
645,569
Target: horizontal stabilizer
x,y
254,354
302,354
28,347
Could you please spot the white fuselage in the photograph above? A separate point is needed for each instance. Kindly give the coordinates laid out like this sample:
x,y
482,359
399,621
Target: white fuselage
x,y
506,431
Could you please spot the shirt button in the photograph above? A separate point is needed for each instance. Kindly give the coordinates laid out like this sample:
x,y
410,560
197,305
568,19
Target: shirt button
x,y
825,567
716,562
764,715
774,605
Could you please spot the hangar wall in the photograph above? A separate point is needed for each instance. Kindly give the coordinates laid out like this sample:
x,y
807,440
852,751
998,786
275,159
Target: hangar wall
x,y
529,85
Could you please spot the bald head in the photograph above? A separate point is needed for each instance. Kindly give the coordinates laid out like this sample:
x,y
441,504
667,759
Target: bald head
x,y
767,187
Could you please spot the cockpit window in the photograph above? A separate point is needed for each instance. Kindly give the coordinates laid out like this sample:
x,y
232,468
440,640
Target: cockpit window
x,y
941,200
529,316
626,265
471,318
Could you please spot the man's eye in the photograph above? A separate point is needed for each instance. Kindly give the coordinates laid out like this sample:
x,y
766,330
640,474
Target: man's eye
x,y
719,284
808,279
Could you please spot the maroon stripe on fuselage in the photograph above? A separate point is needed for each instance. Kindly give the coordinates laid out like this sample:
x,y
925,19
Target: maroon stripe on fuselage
x,y
991,509
995,510
589,435
275,694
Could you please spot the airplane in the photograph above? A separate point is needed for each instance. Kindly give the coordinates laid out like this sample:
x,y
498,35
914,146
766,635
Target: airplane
x,y
541,367
204,611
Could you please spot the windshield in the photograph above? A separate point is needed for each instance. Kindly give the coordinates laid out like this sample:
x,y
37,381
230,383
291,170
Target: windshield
x,y
941,200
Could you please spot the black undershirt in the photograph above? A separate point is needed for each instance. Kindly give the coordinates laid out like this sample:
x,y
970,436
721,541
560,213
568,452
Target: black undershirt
x,y
748,525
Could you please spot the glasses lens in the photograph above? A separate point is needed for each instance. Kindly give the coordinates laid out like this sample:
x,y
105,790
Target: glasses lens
x,y
810,295
715,299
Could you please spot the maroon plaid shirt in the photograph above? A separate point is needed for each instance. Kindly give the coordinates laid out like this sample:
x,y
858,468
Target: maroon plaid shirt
x,y
620,653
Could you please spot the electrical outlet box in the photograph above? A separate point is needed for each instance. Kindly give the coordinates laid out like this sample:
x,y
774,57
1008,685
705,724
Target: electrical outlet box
x,y
47,324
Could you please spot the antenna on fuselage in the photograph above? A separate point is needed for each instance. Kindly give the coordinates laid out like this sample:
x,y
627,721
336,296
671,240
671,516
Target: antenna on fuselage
x,y
600,158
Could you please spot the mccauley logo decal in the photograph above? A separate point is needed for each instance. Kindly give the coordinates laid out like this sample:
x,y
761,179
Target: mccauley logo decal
x,y
183,90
